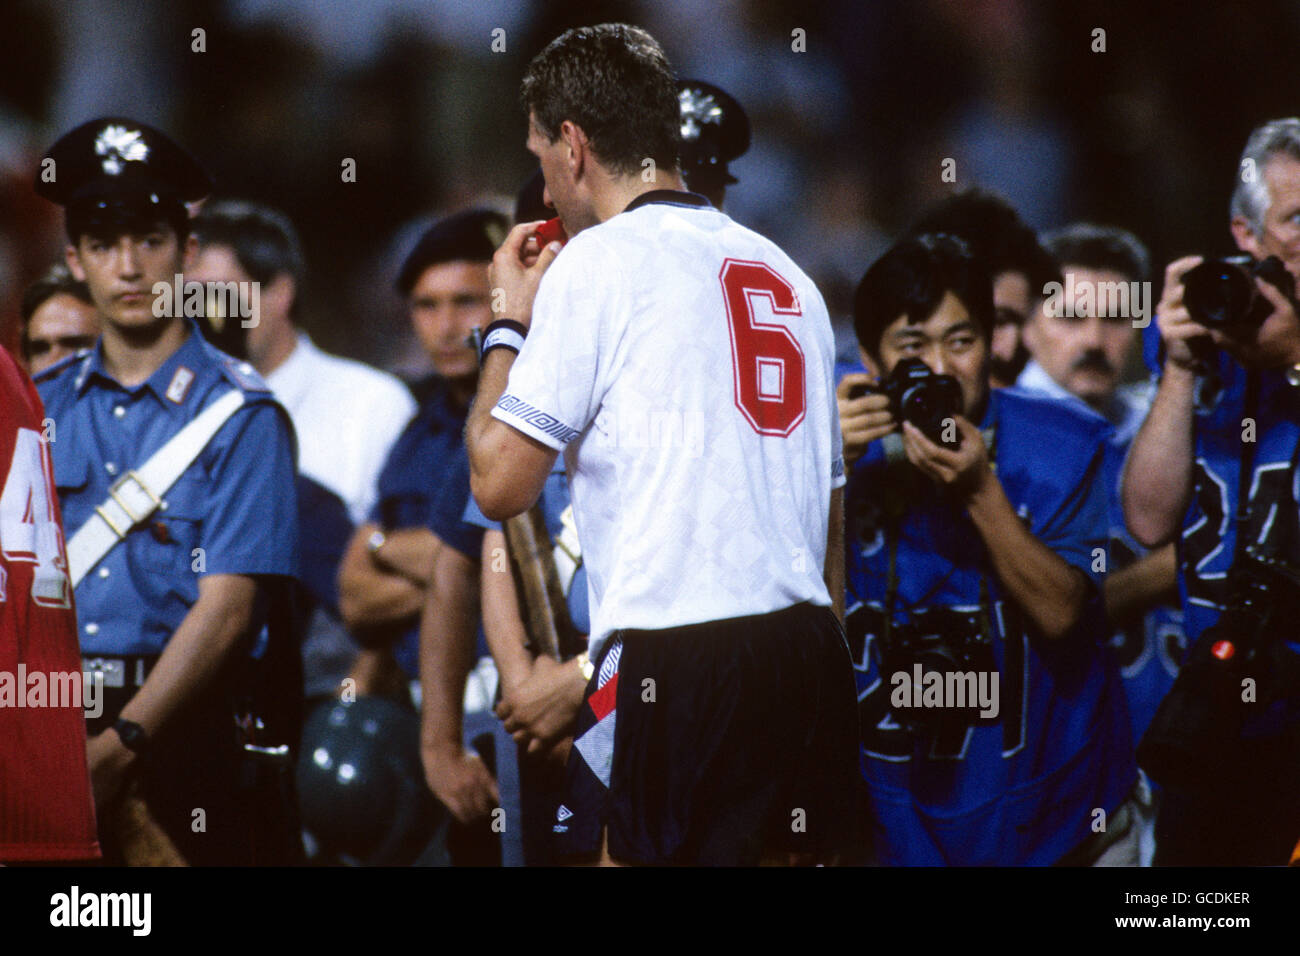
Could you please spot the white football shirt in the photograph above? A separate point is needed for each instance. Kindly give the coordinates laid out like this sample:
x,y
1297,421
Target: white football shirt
x,y
684,365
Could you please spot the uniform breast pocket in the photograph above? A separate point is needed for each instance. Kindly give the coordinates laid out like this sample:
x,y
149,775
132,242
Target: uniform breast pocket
x,y
169,542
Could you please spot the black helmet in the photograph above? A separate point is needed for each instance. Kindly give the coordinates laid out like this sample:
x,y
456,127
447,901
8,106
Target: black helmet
x,y
361,787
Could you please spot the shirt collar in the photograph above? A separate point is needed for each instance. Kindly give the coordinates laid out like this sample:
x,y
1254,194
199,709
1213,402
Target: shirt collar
x,y
672,197
1035,379
295,371
190,354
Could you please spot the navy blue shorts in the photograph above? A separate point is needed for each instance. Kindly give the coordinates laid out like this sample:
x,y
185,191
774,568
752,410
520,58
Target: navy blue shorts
x,y
716,743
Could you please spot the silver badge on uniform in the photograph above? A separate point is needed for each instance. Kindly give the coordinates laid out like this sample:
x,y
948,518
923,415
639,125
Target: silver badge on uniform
x,y
180,384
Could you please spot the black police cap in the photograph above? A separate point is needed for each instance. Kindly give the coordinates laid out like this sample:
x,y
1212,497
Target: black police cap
x,y
471,236
715,129
116,159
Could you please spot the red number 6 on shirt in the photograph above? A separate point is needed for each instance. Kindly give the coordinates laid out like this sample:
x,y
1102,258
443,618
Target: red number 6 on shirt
x,y
767,362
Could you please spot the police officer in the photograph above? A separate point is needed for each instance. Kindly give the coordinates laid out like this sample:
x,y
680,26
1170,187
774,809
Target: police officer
x,y
178,544
715,132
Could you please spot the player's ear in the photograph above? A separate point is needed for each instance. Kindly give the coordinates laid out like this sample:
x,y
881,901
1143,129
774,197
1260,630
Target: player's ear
x,y
73,258
579,146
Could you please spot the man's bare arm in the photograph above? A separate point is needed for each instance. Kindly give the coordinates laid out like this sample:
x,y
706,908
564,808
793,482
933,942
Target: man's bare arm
x,y
203,642
370,595
1039,580
1151,580
1158,471
833,572
207,636
503,623
507,468
447,631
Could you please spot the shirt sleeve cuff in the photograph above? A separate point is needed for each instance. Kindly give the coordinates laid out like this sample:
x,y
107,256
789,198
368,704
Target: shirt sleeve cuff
x,y
534,422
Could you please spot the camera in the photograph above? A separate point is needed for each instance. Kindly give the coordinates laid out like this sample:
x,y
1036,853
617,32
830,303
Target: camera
x,y
1194,742
940,641
1221,293
920,396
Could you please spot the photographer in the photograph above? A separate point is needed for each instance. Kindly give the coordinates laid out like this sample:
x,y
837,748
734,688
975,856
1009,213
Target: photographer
x,y
1224,420
969,567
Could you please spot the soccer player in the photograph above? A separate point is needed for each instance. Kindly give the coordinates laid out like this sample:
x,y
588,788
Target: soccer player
x,y
970,567
46,809
718,710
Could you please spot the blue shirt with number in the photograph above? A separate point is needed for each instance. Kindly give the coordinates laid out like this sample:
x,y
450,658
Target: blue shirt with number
x,y
1022,788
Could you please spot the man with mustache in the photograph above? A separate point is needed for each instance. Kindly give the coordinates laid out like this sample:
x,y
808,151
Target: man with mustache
x,y
1079,350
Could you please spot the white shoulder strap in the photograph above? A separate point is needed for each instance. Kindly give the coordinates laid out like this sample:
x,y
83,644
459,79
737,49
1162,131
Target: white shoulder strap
x,y
138,493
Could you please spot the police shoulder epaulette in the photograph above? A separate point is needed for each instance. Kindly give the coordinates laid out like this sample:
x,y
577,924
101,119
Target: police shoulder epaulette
x,y
243,374
61,366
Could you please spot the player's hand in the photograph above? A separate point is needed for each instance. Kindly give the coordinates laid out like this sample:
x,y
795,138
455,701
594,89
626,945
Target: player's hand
x,y
862,419
514,274
965,470
107,759
1174,321
460,780
541,710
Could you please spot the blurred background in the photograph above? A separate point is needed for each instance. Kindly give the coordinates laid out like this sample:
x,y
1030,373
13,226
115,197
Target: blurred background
x,y
849,135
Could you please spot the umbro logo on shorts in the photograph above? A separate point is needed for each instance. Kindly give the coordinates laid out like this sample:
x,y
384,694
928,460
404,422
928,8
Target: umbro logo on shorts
x,y
561,815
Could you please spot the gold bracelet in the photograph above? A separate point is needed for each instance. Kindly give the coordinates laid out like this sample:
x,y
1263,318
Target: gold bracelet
x,y
585,667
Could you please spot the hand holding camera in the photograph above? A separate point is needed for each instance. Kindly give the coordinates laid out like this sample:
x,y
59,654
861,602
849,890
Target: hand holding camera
x,y
864,414
1243,306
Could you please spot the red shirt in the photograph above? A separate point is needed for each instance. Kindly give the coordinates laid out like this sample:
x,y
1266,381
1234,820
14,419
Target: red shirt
x,y
46,808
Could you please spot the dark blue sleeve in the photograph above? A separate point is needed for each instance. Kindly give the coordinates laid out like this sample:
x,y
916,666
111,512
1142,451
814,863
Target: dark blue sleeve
x,y
447,511
326,530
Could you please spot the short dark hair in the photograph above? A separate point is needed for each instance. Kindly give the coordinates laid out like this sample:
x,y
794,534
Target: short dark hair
x,y
263,240
130,215
995,233
614,81
911,279
56,280
1091,246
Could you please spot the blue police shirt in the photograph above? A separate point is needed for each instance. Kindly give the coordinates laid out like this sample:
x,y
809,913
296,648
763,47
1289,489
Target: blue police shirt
x,y
415,485
555,500
236,502
1018,790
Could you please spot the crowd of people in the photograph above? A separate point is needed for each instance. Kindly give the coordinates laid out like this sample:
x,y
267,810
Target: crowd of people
x,y
648,571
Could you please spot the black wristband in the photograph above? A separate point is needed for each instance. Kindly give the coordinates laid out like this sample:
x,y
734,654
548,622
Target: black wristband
x,y
503,334
132,734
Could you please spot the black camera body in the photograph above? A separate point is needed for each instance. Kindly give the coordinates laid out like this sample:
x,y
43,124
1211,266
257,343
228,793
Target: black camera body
x,y
1221,293
920,396
1194,742
940,641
